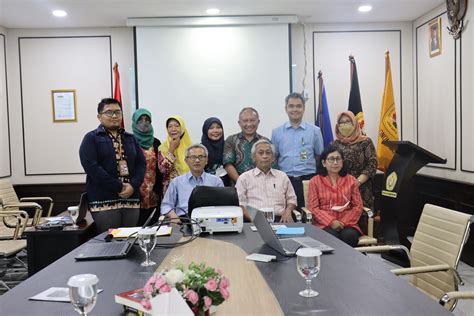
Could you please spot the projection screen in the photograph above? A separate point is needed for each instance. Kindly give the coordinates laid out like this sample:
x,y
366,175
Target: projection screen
x,y
204,71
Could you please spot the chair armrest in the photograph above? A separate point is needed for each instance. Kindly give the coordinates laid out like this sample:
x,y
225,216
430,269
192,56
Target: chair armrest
x,y
36,206
40,198
370,221
422,269
377,249
456,295
368,211
23,204
307,215
21,221
296,215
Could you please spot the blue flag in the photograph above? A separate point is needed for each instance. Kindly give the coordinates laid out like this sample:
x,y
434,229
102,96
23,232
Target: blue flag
x,y
322,120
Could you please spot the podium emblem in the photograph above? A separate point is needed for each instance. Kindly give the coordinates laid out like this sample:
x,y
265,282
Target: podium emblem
x,y
391,181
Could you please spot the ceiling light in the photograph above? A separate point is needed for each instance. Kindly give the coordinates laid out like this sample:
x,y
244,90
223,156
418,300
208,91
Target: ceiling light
x,y
365,8
213,11
59,13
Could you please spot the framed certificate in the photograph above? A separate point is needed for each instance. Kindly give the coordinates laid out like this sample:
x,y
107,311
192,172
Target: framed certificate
x,y
64,105
434,37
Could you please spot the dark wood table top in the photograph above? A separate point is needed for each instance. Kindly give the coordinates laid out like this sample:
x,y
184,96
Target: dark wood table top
x,y
349,283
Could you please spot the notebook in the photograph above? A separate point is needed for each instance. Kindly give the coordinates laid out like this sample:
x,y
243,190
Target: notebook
x,y
109,250
287,246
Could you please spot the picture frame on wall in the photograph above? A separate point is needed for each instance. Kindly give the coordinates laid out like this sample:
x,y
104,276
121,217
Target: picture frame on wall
x,y
64,105
434,37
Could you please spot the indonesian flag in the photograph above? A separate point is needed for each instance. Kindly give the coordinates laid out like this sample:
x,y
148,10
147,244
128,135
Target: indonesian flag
x,y
117,93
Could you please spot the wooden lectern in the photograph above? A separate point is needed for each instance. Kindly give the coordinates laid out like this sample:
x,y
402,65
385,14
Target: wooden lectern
x,y
398,196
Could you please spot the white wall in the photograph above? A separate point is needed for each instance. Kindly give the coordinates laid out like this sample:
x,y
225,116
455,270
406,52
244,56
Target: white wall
x,y
467,94
328,48
443,98
80,59
5,162
444,124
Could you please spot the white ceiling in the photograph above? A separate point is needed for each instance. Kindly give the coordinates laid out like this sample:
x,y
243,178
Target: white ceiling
x,y
103,13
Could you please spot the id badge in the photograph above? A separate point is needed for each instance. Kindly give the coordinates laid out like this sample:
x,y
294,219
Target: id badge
x,y
123,168
303,155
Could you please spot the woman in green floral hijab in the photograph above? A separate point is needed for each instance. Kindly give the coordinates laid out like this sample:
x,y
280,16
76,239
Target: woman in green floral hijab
x,y
150,190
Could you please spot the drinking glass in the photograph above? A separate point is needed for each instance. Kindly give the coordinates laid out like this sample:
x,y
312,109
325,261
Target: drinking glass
x,y
268,213
308,263
147,241
74,213
83,292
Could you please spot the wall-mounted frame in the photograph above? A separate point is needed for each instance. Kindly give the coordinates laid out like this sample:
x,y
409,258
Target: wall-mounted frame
x,y
434,37
64,105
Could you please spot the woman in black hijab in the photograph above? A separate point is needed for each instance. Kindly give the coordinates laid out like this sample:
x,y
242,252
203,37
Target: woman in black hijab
x,y
213,139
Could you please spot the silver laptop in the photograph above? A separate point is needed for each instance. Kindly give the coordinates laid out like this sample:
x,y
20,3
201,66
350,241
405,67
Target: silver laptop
x,y
109,250
286,246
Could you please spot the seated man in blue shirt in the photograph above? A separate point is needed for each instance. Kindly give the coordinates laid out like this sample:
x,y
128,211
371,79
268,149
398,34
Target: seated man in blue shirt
x,y
297,145
175,201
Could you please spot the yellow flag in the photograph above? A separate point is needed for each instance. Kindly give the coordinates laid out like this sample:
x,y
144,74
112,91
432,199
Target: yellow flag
x,y
388,120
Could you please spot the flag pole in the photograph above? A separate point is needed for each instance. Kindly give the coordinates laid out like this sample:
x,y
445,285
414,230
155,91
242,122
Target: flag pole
x,y
320,103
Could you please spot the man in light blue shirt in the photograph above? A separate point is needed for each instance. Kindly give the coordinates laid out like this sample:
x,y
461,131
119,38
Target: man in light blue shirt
x,y
175,201
297,145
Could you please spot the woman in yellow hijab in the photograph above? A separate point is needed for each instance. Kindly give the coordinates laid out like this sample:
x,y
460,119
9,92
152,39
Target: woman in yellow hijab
x,y
171,154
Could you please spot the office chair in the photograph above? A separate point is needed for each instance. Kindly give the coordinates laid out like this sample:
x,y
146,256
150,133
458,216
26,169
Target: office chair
x,y
364,240
9,249
434,254
11,202
212,196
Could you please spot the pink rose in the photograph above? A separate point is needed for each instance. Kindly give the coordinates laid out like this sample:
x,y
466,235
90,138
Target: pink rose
x,y
146,304
160,281
165,288
225,283
192,296
207,302
148,288
217,270
151,280
211,285
225,294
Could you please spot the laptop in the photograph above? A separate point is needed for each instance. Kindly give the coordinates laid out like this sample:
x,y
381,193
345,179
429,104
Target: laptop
x,y
285,246
109,250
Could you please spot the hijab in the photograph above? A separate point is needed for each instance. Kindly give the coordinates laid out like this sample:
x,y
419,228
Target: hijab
x,y
356,135
214,147
145,139
180,152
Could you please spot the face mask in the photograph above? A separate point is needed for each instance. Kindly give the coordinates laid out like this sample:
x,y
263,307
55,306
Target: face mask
x,y
346,129
144,127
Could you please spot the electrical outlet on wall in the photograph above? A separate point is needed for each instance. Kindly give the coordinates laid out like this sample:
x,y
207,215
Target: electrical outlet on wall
x,y
305,94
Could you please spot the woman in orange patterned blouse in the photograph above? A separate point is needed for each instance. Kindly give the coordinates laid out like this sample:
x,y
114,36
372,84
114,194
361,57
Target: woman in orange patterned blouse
x,y
150,190
334,198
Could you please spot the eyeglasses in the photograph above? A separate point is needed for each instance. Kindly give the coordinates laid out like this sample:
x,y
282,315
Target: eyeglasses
x,y
334,159
111,113
199,158
345,122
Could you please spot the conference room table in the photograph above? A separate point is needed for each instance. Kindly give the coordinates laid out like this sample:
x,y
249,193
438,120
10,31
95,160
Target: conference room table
x,y
349,282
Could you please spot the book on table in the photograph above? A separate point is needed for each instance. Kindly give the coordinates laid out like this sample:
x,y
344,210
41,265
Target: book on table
x,y
131,301
171,303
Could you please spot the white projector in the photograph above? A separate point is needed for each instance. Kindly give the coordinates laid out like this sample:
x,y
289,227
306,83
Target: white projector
x,y
219,218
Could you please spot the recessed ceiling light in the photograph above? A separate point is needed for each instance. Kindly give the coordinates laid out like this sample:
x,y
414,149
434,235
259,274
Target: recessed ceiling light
x,y
213,11
59,13
365,8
